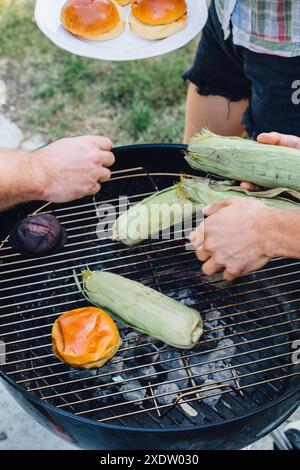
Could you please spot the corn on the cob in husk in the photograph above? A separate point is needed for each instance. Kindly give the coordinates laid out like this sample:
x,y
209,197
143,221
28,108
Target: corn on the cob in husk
x,y
192,195
143,308
270,166
155,213
204,192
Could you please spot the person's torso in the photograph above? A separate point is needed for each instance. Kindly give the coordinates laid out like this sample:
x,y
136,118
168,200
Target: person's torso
x,y
270,27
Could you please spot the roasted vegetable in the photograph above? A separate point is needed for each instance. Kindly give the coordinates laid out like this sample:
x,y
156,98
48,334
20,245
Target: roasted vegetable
x,y
143,308
38,235
155,213
181,201
270,166
204,192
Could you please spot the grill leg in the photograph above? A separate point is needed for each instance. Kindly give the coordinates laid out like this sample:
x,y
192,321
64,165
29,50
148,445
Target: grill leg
x,y
281,440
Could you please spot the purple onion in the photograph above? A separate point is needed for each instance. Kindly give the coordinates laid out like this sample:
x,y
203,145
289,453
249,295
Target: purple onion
x,y
38,235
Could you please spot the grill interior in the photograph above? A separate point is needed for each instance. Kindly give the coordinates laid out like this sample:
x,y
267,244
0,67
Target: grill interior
x,y
242,362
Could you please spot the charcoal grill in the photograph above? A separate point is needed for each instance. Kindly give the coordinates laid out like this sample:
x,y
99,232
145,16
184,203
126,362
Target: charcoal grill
x,y
237,385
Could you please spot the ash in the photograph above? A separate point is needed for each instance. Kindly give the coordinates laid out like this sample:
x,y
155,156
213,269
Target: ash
x,y
214,369
78,375
147,373
132,391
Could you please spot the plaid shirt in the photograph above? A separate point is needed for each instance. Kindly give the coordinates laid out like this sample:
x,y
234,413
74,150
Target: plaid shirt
x,y
268,27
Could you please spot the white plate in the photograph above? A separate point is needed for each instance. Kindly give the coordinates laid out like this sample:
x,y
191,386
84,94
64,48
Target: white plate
x,y
127,46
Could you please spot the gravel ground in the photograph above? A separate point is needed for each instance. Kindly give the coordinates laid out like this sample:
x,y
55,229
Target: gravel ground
x,y
19,431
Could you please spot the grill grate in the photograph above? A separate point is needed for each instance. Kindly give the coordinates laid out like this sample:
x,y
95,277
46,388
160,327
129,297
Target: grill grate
x,y
243,360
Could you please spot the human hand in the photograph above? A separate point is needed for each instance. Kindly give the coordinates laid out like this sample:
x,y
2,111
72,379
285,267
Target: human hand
x,y
273,138
234,237
73,167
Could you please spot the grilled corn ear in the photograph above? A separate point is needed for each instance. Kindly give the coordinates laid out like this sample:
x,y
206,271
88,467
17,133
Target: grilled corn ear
x,y
155,213
270,166
182,201
143,308
204,192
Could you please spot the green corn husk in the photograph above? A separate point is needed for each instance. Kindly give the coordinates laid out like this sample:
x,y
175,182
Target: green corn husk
x,y
204,192
143,308
270,166
191,195
155,213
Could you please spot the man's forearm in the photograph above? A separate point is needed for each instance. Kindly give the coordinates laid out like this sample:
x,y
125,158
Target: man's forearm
x,y
283,233
20,178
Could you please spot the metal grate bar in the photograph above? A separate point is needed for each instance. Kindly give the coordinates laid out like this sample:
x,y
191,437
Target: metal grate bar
x,y
75,267
204,331
262,345
213,329
206,341
145,270
93,263
223,307
159,362
223,317
126,403
197,399
186,367
242,343
59,374
203,312
196,274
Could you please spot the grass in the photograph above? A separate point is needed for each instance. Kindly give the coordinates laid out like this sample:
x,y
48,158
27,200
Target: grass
x,y
58,94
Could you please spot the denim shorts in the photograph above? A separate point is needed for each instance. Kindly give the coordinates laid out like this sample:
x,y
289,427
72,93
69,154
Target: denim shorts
x,y
267,81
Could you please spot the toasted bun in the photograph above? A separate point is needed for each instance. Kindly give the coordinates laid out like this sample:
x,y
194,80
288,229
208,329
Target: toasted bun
x,y
124,2
97,20
158,12
156,32
85,338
